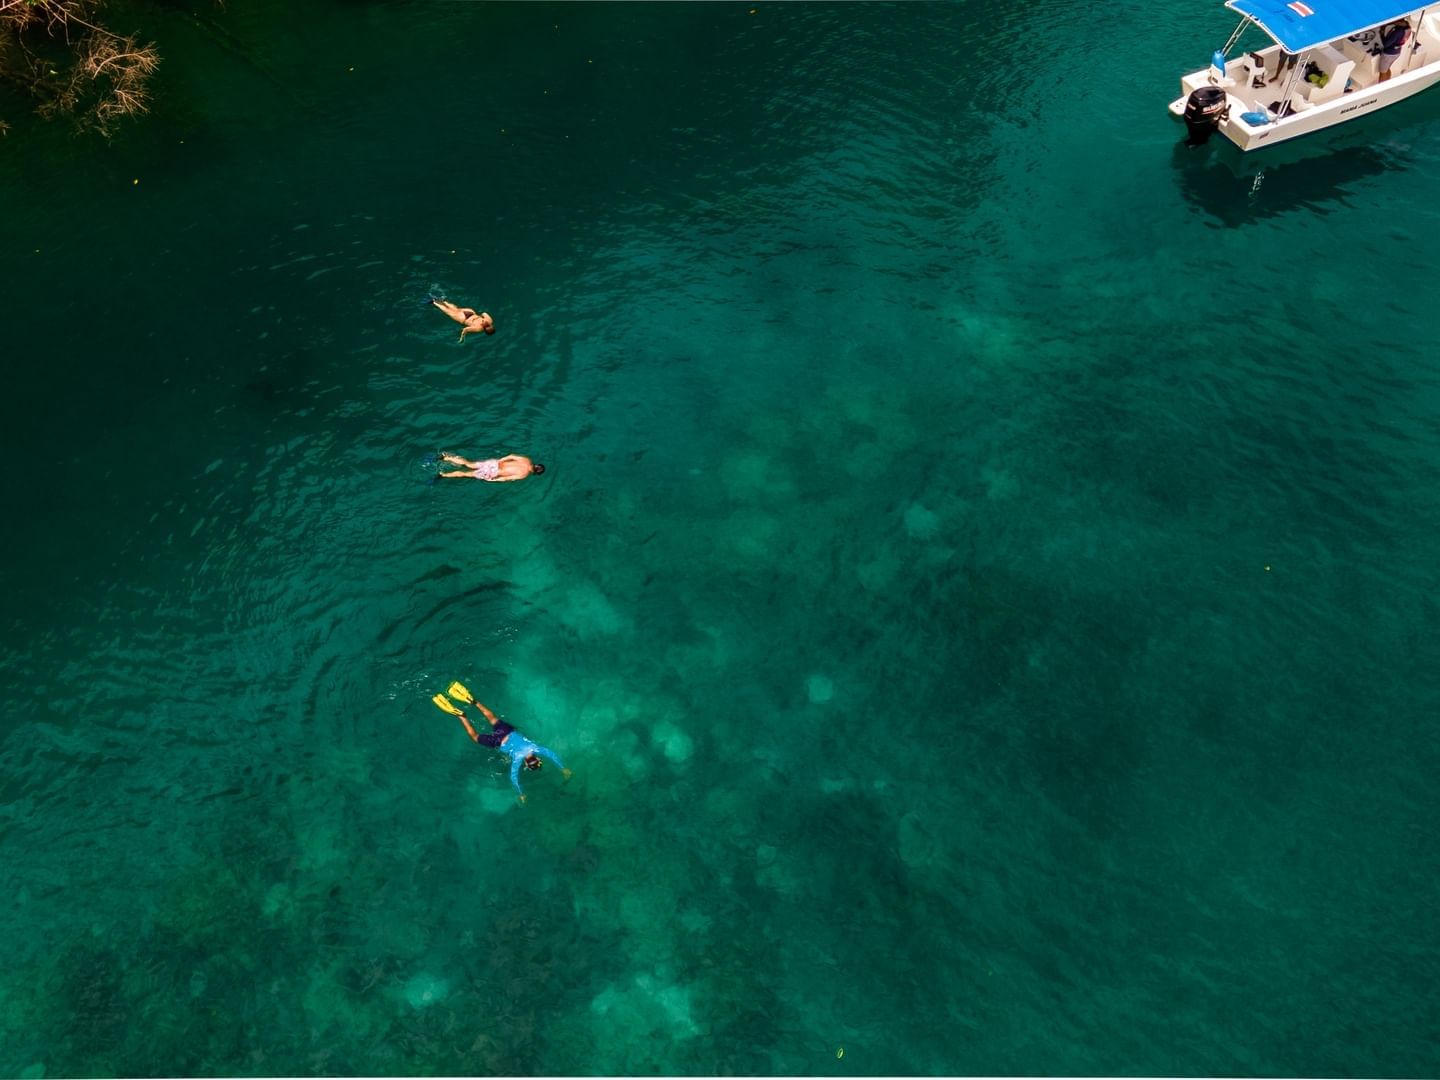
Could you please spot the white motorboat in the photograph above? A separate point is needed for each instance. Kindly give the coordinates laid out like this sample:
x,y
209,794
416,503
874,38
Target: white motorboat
x,y
1328,62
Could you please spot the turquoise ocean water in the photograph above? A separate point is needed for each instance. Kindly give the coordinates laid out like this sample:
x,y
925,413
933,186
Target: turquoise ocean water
x,y
984,580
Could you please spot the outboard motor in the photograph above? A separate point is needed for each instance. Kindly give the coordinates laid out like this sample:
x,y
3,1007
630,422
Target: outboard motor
x,y
1204,110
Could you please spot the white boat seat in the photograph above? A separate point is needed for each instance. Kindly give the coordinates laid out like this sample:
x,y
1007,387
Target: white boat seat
x,y
1367,67
1429,34
1336,86
1229,80
1253,66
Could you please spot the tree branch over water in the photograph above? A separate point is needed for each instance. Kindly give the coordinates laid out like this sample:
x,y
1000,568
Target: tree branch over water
x,y
58,53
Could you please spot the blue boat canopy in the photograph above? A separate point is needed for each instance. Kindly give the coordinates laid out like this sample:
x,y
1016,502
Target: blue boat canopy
x,y
1301,24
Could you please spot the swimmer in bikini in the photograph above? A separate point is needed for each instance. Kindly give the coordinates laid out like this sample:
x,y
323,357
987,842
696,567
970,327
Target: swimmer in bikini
x,y
496,470
470,320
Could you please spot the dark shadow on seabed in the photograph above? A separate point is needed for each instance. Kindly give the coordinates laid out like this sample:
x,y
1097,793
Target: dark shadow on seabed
x,y
1312,173
959,737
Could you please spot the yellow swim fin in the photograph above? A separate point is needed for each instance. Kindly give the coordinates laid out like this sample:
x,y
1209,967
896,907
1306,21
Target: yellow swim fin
x,y
442,702
459,693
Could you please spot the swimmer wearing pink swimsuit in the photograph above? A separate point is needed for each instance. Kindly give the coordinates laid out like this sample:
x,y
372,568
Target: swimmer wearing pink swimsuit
x,y
486,470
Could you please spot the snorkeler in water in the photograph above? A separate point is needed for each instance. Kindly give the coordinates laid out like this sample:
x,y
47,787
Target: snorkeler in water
x,y
501,736
470,320
496,470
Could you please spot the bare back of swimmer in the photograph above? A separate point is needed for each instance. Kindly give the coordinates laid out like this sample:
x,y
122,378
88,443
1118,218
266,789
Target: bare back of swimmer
x,y
496,470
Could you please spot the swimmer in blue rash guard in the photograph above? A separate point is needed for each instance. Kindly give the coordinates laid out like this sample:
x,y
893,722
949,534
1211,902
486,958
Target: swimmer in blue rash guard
x,y
507,740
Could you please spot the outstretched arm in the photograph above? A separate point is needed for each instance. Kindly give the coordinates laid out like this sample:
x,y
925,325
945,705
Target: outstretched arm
x,y
515,776
550,756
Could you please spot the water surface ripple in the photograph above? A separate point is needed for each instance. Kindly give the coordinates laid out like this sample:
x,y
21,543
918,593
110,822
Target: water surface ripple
x,y
984,579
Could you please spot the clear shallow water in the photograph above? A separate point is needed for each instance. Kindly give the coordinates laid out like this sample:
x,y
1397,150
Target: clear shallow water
x,y
967,655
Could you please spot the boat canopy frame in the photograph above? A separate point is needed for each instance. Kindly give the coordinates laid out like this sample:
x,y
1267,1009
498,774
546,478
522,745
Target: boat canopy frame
x,y
1302,24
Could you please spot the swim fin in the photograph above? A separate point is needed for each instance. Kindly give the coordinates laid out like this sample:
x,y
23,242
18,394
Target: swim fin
x,y
459,693
442,702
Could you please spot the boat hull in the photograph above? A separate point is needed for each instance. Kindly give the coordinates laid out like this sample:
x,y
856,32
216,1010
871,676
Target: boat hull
x,y
1340,110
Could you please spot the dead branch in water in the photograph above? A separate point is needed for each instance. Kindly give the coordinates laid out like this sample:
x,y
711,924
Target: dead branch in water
x,y
97,77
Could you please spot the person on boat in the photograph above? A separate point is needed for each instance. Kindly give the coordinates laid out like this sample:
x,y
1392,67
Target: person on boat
x,y
496,470
470,320
1392,45
1283,63
503,737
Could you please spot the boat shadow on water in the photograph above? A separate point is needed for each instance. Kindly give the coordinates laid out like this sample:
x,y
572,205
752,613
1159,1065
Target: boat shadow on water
x,y
1312,173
